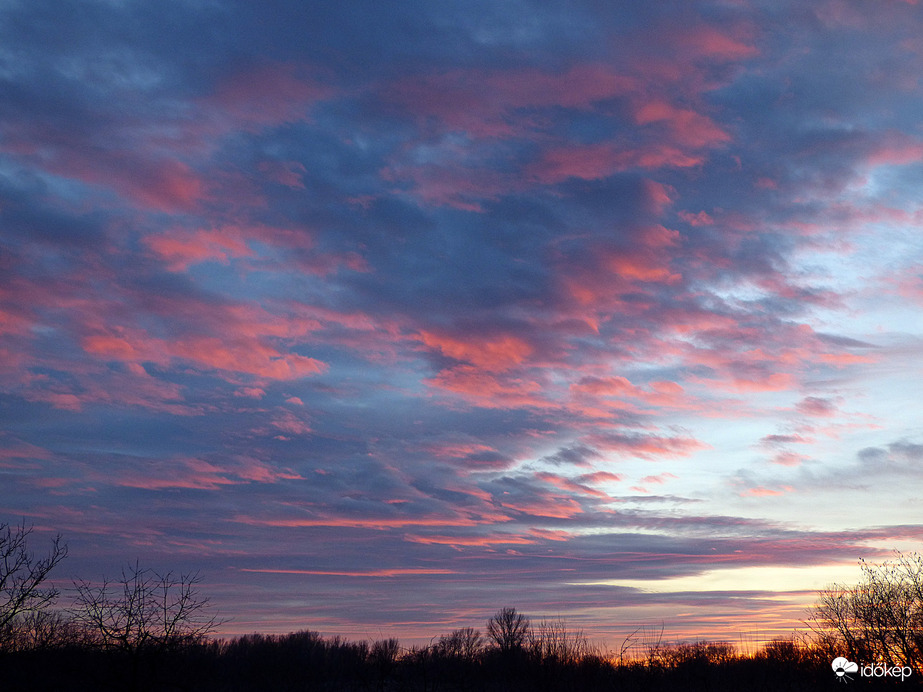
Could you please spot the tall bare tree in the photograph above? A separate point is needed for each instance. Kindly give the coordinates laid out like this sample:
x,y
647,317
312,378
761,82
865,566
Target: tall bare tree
x,y
144,609
23,575
880,618
508,629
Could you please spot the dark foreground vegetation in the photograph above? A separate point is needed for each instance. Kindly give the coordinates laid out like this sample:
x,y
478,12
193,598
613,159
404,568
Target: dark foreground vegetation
x,y
307,661
151,632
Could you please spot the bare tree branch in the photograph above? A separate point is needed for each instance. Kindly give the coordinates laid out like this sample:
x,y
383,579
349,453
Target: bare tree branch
x,y
879,619
144,609
22,574
508,629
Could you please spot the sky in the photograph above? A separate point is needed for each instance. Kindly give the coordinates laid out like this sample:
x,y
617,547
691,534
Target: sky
x,y
384,316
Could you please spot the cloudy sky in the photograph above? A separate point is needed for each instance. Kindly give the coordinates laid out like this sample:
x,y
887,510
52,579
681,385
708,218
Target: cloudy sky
x,y
386,315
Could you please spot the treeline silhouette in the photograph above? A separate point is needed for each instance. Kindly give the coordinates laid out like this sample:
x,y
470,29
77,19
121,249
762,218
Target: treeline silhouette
x,y
152,632
307,661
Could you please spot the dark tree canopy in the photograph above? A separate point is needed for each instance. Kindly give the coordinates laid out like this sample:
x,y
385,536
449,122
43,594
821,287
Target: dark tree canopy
x,y
465,643
508,629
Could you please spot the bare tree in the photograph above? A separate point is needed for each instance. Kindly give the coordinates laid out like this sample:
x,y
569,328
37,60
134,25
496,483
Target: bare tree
x,y
552,641
879,619
508,629
43,629
144,610
465,643
22,575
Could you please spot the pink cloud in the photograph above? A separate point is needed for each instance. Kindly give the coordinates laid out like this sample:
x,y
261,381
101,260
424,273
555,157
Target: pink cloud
x,y
480,103
816,406
375,523
700,219
845,358
899,150
667,393
491,354
645,267
249,356
63,401
687,52
908,284
490,105
254,470
710,42
772,382
552,534
164,186
600,477
182,249
594,161
688,321
229,338
607,386
143,170
609,280
453,183
148,179
193,473
761,491
258,359
610,284
596,391
659,479
489,390
271,94
17,454
789,459
13,319
128,385
251,392
569,485
488,540
659,196
288,173
546,506
388,572
286,422
646,445
151,167
456,450
778,440
687,127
